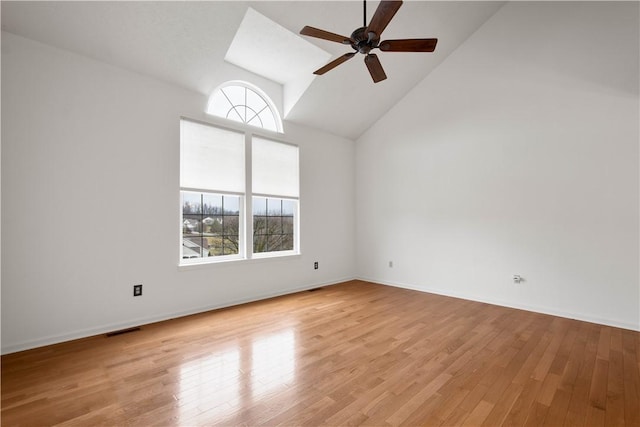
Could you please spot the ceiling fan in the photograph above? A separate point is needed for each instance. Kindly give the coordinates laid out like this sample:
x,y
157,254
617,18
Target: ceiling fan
x,y
366,38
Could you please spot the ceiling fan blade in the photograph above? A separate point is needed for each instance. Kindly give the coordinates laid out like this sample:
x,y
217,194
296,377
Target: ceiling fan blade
x,y
382,16
333,64
325,35
375,68
408,45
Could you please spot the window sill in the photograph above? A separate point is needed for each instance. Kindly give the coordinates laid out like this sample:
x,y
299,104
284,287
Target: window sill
x,y
239,261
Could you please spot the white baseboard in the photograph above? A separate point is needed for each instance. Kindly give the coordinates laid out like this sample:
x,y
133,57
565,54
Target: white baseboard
x,y
535,309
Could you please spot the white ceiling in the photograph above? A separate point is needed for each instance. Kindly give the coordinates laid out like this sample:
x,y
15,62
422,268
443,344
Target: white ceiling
x,y
185,43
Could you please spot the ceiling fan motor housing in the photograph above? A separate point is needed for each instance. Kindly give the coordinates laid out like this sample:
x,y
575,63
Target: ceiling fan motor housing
x,y
363,41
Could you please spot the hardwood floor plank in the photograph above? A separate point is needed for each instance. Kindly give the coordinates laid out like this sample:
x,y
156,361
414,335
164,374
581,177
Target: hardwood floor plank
x,y
542,369
548,389
502,406
558,408
615,386
595,417
599,382
521,407
631,361
479,414
405,411
604,343
356,353
584,356
537,414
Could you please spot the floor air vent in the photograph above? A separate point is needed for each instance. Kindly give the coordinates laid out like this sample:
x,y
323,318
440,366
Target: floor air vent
x,y
122,331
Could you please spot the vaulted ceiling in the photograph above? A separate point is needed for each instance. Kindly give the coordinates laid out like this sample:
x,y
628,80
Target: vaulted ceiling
x,y
185,43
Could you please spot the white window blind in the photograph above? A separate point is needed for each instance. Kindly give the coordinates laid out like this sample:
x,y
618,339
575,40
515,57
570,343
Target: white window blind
x,y
274,168
211,158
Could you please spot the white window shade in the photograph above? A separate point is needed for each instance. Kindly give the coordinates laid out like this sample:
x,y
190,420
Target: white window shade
x,y
211,158
275,168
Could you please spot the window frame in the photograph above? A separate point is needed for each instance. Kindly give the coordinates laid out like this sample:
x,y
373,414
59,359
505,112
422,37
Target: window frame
x,y
246,253
247,87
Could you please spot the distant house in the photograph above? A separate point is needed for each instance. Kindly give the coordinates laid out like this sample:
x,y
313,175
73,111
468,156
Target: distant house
x,y
190,224
194,247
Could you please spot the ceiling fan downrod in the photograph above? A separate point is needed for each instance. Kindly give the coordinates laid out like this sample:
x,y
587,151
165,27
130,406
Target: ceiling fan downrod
x,y
364,8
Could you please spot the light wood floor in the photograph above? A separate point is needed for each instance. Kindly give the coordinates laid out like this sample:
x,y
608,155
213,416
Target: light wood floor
x,y
354,353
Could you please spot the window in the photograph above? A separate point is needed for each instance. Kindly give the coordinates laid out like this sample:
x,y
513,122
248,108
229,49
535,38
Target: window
x,y
273,223
244,103
212,181
275,190
210,225
238,193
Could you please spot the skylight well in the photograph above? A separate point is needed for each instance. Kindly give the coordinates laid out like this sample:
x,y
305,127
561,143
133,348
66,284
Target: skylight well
x,y
280,56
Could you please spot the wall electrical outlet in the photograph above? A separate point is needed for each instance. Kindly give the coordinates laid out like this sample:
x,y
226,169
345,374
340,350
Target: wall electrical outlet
x,y
390,264
137,290
315,265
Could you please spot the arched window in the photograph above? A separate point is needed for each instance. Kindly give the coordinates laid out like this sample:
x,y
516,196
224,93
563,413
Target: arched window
x,y
244,103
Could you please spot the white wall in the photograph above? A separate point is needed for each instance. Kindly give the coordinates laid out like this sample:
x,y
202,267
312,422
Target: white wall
x,y
90,203
518,155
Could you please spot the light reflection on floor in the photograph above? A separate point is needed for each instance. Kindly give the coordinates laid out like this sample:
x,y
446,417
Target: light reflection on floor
x,y
209,384
214,387
274,363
